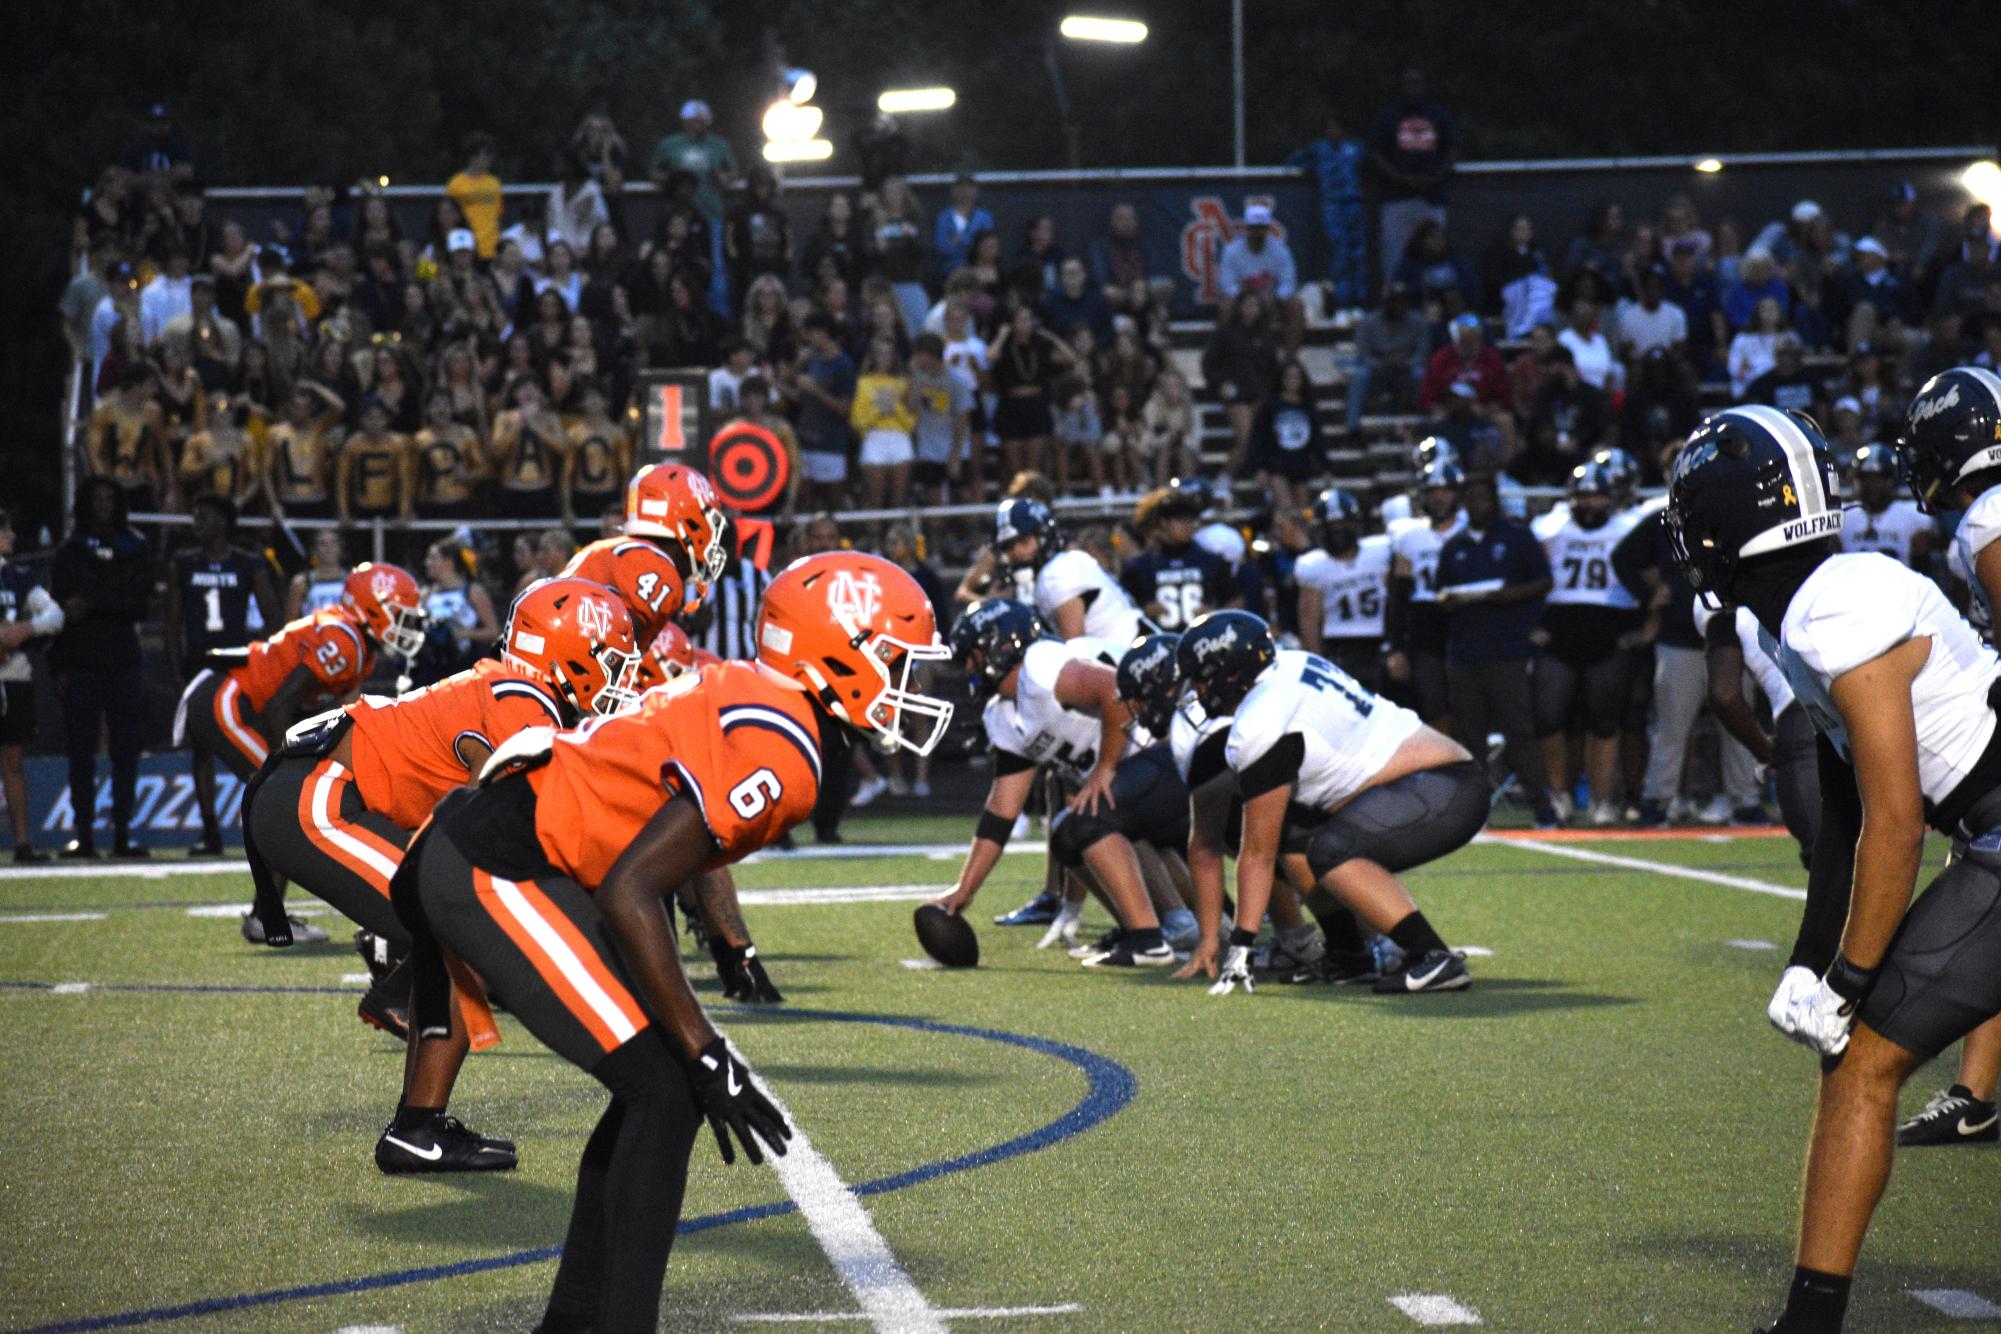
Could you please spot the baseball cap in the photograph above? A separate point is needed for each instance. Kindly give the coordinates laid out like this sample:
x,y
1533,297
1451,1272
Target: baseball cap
x,y
1257,215
1466,320
1848,403
1686,245
695,109
1903,190
1805,211
1465,389
460,239
1869,245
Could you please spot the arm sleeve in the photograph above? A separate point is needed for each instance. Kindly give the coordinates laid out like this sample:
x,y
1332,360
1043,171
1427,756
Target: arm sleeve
x,y
1831,876
1635,553
1276,768
1208,760
44,613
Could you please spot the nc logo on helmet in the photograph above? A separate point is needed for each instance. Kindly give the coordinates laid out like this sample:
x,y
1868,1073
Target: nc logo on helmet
x,y
382,584
1927,408
594,618
857,598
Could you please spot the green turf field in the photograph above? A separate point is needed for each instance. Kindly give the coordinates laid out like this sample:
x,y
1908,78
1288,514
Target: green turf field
x,y
1603,1134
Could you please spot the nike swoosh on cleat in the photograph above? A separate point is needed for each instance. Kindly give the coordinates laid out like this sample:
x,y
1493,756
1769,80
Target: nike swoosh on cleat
x,y
432,1155
1413,982
1966,1129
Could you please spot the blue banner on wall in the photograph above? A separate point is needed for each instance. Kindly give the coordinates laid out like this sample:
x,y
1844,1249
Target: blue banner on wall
x,y
164,812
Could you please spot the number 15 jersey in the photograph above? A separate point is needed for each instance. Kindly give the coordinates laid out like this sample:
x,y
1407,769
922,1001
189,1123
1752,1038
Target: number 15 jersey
x,y
1349,733
1352,589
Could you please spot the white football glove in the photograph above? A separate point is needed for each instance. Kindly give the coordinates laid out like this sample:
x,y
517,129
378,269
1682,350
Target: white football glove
x,y
1063,931
1822,1019
1795,983
1236,969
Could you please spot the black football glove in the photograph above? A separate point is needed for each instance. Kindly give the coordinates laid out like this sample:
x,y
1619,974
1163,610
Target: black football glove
x,y
743,975
732,1102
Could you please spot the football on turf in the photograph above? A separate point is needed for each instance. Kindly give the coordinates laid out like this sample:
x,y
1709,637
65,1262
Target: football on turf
x,y
947,937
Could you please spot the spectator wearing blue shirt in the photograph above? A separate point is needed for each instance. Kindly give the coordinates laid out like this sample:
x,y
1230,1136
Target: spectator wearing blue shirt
x,y
952,234
1334,163
1430,269
1412,149
1687,286
1074,301
1492,578
1122,263
823,385
1757,278
1256,259
1869,297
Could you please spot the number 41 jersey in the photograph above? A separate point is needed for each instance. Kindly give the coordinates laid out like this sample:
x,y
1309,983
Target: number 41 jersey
x,y
1349,734
1352,590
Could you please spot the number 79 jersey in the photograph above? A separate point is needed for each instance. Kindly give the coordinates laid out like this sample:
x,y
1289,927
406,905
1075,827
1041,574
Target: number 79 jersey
x,y
1352,591
1349,733
741,742
1580,560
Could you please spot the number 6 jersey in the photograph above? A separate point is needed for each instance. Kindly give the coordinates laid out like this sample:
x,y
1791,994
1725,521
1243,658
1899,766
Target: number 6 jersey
x,y
1348,733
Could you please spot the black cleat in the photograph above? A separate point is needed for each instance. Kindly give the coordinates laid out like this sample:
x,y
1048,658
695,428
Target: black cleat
x,y
1339,968
376,953
386,1005
208,845
79,850
27,854
1438,970
1953,1116
444,1145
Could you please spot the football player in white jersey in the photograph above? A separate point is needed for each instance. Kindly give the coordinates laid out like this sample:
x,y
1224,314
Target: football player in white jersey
x,y
1384,793
1881,521
1073,593
1343,588
1432,449
1734,645
1953,450
1414,625
1590,624
1898,685
1054,704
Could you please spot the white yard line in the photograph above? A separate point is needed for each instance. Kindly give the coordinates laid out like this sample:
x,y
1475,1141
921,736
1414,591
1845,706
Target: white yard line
x,y
117,870
1957,1303
52,917
773,898
1755,945
948,1313
1641,864
861,1258
1434,1308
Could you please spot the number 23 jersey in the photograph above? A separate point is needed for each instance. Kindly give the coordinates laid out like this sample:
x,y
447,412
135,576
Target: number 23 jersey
x,y
1033,728
742,742
1349,734
325,643
1352,590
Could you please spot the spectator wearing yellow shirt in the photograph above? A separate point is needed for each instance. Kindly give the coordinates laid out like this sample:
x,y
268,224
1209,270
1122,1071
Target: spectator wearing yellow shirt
x,y
376,470
449,460
127,440
600,458
476,190
222,459
298,460
883,416
529,448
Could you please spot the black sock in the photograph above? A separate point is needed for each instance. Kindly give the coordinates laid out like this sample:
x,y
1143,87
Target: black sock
x,y
1337,925
1146,938
1414,936
1962,1091
1816,1303
416,1118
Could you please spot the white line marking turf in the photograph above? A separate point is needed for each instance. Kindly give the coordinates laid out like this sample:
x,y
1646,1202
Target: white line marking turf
x,y
947,1313
1434,1308
356,979
70,988
920,965
1751,944
1957,1303
771,898
369,1329
239,909
1658,868
52,917
861,1258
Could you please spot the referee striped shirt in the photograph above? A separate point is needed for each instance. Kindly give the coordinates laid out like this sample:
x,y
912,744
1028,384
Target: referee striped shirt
x,y
732,632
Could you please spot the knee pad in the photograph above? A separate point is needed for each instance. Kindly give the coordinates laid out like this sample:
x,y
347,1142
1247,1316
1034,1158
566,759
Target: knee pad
x,y
1329,847
1074,833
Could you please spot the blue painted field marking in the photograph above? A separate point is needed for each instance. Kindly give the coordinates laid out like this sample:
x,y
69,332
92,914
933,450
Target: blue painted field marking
x,y
1112,1086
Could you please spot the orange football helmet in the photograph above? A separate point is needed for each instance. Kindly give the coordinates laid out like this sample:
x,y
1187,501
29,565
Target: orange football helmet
x,y
577,636
386,600
677,504
671,654
851,628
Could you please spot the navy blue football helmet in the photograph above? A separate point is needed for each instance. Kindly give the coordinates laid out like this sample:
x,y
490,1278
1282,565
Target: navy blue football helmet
x,y
1149,681
1338,518
1222,655
992,637
1432,449
1953,431
1019,518
1591,482
1878,460
1622,468
1749,482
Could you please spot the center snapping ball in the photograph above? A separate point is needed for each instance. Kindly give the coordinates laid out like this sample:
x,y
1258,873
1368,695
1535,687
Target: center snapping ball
x,y
947,937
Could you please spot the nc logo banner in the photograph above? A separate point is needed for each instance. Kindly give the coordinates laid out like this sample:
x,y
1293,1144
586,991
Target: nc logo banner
x,y
164,813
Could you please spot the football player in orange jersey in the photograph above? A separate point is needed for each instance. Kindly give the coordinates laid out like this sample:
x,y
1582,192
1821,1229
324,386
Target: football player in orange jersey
x,y
670,655
671,551
337,806
238,715
549,879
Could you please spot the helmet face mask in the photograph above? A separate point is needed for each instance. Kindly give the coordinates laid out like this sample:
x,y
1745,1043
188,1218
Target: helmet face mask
x,y
1590,496
387,601
1015,522
991,638
676,505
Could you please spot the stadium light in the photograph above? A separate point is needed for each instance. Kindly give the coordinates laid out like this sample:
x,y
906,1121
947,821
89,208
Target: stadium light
x,y
786,122
1087,28
896,100
1983,181
800,85
804,150
1709,166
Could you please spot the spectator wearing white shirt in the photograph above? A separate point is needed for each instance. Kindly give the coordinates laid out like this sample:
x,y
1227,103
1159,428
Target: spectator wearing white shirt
x,y
165,297
1256,259
121,301
1589,347
1652,321
1754,351
726,380
576,205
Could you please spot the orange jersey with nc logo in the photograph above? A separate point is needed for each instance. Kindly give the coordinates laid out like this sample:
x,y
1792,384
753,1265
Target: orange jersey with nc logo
x,y
643,576
405,750
327,643
741,741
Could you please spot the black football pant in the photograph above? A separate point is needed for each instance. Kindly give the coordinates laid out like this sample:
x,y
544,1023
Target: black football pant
x,y
304,818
